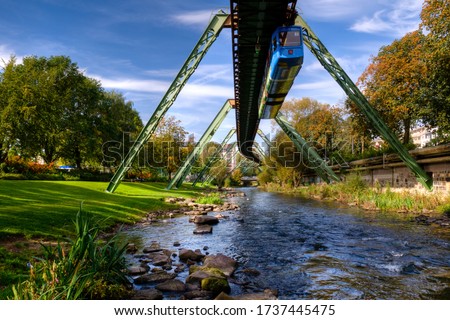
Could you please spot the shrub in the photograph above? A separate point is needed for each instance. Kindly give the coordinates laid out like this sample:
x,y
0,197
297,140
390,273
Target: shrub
x,y
86,270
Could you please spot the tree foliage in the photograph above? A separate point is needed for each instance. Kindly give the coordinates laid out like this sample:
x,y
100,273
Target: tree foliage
x,y
322,125
167,147
393,82
436,27
50,110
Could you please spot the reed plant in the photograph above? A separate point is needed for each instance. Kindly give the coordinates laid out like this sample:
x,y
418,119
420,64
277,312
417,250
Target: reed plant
x,y
84,268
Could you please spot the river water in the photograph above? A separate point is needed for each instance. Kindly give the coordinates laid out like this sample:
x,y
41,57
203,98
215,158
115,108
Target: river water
x,y
314,250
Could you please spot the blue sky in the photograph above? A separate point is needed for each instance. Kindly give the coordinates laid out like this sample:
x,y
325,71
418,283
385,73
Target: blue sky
x,y
138,46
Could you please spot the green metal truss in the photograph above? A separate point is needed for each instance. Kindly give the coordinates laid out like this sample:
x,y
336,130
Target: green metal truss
x,y
214,157
263,136
332,66
309,154
206,40
186,167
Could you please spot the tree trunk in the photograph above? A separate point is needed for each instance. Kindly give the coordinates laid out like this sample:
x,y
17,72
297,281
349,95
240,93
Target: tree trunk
x,y
77,154
407,128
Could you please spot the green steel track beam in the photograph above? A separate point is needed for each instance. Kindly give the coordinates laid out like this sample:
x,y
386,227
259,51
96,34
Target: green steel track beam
x,y
332,66
214,157
318,164
186,167
206,40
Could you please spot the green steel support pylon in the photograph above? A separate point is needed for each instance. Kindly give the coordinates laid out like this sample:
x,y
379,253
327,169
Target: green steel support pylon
x,y
259,151
186,167
263,136
214,158
319,165
206,40
332,66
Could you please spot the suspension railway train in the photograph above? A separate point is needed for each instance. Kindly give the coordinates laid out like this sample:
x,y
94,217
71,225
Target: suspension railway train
x,y
284,61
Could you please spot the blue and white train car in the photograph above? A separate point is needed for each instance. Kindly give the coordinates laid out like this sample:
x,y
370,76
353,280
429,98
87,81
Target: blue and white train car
x,y
283,64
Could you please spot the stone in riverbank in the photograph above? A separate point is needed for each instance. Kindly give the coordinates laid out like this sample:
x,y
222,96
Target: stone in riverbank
x,y
154,247
154,278
203,229
205,220
215,285
186,254
266,295
147,294
137,270
221,262
171,286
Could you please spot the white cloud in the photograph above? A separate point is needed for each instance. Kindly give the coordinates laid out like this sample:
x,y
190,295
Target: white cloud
x,y
213,72
204,90
194,18
5,54
398,18
133,84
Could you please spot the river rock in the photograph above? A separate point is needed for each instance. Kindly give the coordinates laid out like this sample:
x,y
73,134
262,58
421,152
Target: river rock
x,y
172,286
186,254
154,247
266,295
206,220
161,260
225,264
148,294
215,285
137,270
203,229
198,274
154,278
198,295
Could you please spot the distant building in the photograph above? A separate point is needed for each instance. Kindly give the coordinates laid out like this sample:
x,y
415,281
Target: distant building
x,y
229,154
421,136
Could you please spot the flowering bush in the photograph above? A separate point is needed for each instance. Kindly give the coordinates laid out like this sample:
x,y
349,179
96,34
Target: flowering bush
x,y
19,165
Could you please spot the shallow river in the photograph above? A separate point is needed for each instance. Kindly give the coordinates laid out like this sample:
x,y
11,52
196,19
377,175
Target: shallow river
x,y
315,250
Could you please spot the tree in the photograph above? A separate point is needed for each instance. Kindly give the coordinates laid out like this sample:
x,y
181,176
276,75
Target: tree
x,y
319,123
436,26
50,109
39,99
167,145
118,124
81,139
393,83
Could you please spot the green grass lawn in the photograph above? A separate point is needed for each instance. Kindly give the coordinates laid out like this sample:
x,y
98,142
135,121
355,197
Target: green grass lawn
x,y
47,208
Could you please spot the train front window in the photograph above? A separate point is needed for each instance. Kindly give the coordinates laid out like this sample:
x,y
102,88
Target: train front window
x,y
290,38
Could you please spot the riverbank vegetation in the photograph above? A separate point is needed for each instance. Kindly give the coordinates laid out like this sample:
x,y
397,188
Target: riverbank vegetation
x,y
87,269
355,192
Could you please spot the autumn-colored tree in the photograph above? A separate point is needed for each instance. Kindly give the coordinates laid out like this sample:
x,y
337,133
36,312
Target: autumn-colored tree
x,y
436,26
393,83
314,120
322,125
166,147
